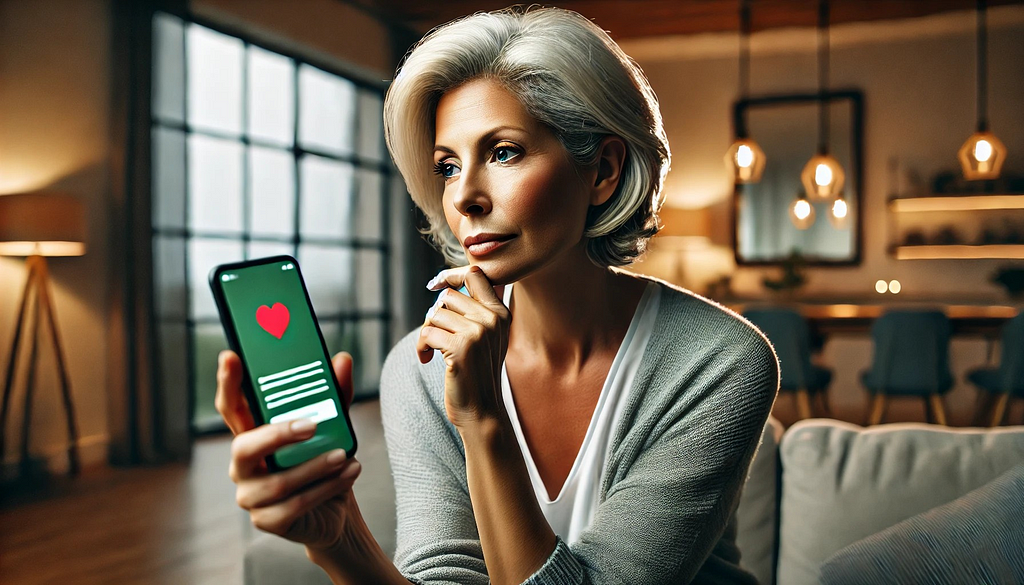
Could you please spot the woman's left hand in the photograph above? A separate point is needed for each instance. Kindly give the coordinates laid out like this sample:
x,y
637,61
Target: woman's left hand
x,y
471,332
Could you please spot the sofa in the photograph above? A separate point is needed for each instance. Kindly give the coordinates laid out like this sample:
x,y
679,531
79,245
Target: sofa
x,y
825,502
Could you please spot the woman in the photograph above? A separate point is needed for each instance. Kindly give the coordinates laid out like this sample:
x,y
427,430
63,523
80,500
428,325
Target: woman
x,y
602,435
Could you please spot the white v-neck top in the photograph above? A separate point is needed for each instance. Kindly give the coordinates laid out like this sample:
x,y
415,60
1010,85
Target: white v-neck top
x,y
576,505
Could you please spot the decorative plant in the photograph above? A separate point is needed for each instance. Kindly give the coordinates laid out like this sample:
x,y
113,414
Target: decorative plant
x,y
792,276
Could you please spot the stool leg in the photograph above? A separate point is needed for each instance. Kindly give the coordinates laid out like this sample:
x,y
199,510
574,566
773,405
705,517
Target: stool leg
x,y
877,410
928,416
938,408
803,404
823,398
1000,410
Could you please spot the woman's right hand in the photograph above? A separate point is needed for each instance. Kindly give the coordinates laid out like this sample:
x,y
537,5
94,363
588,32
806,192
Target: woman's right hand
x,y
309,503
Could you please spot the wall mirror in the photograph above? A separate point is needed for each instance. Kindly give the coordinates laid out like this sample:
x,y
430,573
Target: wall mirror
x,y
786,127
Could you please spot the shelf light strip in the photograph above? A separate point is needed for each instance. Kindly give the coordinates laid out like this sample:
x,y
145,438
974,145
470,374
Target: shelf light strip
x,y
1008,251
965,203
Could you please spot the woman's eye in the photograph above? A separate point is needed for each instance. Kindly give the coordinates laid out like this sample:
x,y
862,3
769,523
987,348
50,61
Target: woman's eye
x,y
446,169
505,153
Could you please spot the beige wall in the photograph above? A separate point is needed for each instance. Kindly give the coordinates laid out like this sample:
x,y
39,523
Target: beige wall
x,y
54,103
55,75
917,77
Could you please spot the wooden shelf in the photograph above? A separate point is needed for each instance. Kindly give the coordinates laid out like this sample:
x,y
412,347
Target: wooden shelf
x,y
953,252
957,203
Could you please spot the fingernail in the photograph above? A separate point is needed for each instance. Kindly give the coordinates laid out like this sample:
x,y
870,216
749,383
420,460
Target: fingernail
x,y
336,457
303,426
430,312
433,282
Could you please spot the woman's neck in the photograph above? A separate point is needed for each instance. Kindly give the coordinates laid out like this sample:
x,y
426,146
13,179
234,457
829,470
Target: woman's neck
x,y
564,314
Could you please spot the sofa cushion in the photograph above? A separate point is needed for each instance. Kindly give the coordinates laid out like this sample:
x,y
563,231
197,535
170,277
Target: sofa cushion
x,y
757,513
842,482
977,538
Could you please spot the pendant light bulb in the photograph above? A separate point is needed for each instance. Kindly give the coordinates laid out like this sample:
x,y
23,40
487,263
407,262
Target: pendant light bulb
x,y
823,178
801,212
839,214
746,161
982,156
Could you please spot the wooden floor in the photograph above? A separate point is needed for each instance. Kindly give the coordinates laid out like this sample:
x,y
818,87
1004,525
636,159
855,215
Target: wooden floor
x,y
173,524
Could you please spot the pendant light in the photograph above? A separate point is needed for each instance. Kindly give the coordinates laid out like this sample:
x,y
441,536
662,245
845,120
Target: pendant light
x,y
982,156
801,212
839,213
745,159
823,176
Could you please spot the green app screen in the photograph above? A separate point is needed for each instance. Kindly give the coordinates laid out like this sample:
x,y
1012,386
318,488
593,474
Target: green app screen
x,y
282,349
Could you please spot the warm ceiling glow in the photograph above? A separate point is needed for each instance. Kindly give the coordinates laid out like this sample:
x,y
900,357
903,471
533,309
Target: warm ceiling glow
x,y
982,156
895,287
881,286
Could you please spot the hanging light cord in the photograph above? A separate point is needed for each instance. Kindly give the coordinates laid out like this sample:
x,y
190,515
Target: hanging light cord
x,y
744,59
982,69
823,58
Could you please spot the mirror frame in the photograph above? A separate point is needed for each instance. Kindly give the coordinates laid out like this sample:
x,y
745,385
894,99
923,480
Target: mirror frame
x,y
856,97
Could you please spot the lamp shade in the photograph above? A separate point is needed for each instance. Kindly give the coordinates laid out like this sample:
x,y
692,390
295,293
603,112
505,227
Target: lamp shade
x,y
43,223
982,156
686,223
823,178
745,160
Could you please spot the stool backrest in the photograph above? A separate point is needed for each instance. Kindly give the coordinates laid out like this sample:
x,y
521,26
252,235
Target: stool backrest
x,y
789,333
911,351
1011,359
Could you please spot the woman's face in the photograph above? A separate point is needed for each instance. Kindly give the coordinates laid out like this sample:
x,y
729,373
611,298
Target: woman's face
x,y
507,178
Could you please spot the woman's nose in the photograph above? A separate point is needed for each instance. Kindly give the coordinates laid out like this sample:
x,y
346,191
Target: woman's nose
x,y
471,196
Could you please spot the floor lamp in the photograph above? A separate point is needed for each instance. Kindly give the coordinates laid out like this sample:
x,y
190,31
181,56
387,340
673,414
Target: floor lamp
x,y
37,225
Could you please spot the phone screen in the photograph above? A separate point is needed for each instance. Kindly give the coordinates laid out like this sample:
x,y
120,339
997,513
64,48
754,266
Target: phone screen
x,y
283,352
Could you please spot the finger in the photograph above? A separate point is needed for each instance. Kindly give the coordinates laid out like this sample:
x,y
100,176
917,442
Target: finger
x,y
480,288
342,363
250,448
263,491
436,338
278,518
449,278
229,400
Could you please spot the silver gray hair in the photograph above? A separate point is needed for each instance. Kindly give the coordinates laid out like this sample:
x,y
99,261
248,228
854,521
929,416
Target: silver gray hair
x,y
569,75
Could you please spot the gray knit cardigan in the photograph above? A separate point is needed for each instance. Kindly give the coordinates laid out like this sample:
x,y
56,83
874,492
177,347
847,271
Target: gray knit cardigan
x,y
678,460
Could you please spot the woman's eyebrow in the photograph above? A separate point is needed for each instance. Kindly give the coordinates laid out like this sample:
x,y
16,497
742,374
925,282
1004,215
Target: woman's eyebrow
x,y
483,139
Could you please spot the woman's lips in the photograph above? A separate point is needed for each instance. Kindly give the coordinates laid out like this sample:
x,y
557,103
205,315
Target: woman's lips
x,y
484,248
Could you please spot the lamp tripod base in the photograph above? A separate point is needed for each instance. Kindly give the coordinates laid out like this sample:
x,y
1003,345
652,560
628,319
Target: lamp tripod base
x,y
37,288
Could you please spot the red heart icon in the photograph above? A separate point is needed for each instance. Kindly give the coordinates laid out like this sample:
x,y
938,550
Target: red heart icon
x,y
273,319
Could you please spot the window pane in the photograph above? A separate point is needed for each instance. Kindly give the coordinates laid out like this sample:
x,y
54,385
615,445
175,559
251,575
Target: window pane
x,y
271,97
272,184
326,111
326,198
168,68
169,277
328,273
214,80
208,342
173,369
369,280
371,335
168,178
368,205
203,255
371,126
215,184
266,249
334,333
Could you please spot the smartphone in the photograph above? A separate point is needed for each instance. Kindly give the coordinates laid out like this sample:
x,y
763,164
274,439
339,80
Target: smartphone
x,y
286,371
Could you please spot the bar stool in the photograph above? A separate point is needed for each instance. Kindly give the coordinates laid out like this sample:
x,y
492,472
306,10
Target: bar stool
x,y
1006,381
789,333
911,358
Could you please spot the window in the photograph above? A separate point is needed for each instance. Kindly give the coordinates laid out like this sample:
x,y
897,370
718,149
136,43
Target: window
x,y
256,153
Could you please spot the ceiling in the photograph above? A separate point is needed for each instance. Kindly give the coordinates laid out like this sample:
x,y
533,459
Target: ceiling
x,y
625,19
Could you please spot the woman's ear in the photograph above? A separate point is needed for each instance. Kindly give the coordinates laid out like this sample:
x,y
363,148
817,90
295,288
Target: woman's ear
x,y
610,159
